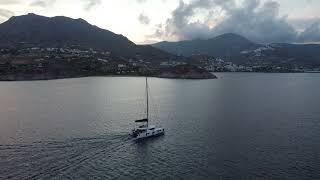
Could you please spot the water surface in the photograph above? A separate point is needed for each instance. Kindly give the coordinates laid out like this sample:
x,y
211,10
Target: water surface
x,y
241,126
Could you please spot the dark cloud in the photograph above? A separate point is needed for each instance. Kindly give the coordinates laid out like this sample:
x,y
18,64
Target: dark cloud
x,y
258,22
143,19
253,19
91,3
5,14
311,34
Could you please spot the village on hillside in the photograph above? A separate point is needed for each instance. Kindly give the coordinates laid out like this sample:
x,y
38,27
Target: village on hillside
x,y
74,62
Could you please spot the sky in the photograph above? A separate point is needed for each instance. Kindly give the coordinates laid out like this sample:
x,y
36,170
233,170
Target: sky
x,y
148,21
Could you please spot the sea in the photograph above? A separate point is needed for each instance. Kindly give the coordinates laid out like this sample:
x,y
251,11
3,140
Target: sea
x,y
240,126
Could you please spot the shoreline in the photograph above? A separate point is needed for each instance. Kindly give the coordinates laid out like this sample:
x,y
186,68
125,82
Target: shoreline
x,y
22,79
14,78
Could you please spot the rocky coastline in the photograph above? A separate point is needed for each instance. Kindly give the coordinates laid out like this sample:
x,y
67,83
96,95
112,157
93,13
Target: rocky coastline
x,y
176,72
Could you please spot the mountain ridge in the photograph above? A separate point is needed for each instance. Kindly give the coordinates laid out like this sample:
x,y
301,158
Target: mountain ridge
x,y
60,31
213,46
240,50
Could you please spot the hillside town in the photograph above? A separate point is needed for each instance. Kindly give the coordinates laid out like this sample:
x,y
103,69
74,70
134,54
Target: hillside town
x,y
213,64
52,63
63,62
73,62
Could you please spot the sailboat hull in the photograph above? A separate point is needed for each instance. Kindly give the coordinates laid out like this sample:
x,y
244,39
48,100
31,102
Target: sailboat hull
x,y
153,132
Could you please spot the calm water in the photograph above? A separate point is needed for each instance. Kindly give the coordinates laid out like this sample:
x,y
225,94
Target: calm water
x,y
241,126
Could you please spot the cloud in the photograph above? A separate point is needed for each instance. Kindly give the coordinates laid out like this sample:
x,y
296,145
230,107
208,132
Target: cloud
x,y
300,24
42,3
253,19
258,23
91,3
39,3
145,1
141,1
311,34
5,14
143,19
7,2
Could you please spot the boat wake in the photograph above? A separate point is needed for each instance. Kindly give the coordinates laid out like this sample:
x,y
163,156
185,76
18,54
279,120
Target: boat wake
x,y
75,158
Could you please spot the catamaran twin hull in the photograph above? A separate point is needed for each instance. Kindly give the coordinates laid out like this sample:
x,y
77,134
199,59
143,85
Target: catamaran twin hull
x,y
142,133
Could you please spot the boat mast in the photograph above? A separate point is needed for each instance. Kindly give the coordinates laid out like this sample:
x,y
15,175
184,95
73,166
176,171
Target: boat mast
x,y
147,90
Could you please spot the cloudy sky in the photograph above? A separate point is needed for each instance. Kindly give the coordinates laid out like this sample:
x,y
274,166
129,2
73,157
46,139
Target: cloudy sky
x,y
146,21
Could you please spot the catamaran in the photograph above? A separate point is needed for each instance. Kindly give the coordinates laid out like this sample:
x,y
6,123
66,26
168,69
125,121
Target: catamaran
x,y
144,130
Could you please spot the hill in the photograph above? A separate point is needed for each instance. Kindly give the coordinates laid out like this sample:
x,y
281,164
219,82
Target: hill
x,y
36,47
239,50
227,46
32,30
